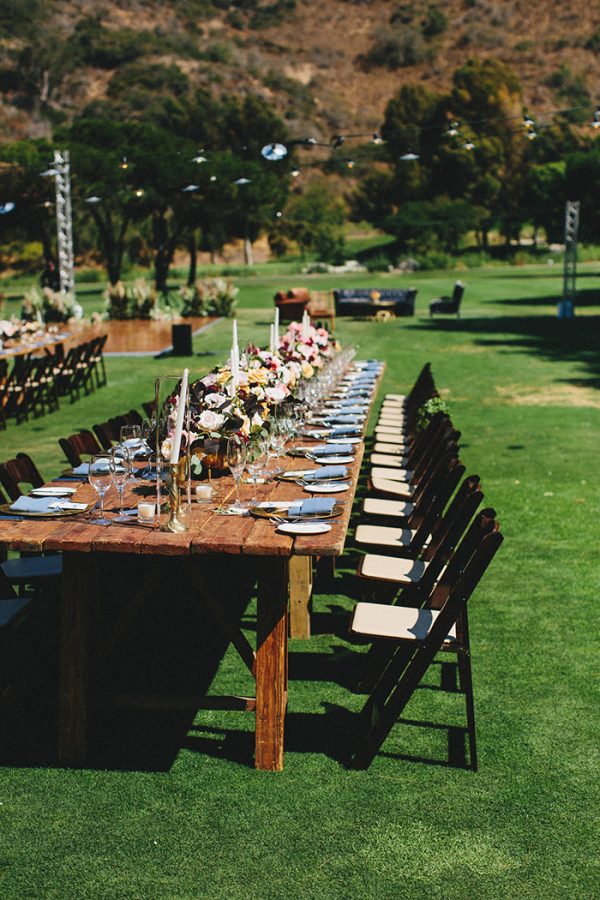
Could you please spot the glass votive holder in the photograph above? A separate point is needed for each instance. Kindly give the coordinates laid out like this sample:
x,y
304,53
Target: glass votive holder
x,y
205,493
146,513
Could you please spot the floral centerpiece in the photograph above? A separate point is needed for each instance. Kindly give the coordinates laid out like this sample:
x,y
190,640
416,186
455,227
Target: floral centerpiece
x,y
221,406
49,306
209,297
309,347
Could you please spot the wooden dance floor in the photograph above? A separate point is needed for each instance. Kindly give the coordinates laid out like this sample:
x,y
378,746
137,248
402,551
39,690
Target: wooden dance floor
x,y
135,338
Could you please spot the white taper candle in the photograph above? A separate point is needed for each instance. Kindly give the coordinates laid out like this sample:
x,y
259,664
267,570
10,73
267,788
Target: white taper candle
x,y
179,420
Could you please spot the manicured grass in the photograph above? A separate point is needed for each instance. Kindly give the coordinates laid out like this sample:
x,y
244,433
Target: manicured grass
x,y
199,822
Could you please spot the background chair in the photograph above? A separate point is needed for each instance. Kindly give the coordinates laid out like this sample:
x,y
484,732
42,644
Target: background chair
x,y
449,305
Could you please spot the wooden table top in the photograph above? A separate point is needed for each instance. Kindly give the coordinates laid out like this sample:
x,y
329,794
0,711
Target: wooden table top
x,y
209,532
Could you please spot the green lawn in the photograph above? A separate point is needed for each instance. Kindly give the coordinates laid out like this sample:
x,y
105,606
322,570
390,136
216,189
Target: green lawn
x,y
523,390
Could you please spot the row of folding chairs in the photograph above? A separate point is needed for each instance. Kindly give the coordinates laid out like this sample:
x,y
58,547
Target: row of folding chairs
x,y
427,545
35,384
104,435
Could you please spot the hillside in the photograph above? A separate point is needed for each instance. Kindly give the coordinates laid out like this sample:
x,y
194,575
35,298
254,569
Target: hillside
x,y
325,66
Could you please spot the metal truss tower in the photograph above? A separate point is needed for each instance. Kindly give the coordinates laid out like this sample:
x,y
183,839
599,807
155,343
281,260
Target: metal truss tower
x,y
64,221
566,308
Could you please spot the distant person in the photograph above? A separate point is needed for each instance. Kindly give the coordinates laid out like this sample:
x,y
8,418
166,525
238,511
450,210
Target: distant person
x,y
50,277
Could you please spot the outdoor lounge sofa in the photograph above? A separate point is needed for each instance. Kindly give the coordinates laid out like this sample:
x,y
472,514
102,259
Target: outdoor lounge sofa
x,y
368,301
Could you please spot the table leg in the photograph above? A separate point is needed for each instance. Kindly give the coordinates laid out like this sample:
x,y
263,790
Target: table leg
x,y
271,662
300,593
76,599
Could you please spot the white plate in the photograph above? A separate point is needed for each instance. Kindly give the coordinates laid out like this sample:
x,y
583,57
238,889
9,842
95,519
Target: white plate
x,y
325,488
304,528
346,440
332,460
52,492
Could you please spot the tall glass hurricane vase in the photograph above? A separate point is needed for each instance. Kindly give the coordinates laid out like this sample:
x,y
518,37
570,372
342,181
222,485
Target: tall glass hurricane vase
x,y
173,476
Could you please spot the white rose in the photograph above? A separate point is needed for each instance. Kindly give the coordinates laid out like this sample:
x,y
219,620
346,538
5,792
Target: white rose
x,y
166,448
211,421
276,394
212,400
257,421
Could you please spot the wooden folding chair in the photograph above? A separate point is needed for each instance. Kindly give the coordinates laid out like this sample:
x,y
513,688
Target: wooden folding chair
x,y
82,442
417,635
42,572
435,524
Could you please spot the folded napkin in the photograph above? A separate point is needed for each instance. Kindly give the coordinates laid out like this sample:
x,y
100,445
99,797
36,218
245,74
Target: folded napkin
x,y
352,404
331,449
316,506
84,468
343,420
341,430
34,504
326,473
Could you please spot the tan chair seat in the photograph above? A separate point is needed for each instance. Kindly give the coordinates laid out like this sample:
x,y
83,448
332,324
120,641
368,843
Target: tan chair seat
x,y
390,419
399,509
390,447
400,623
391,568
400,397
383,536
392,474
387,434
393,488
394,462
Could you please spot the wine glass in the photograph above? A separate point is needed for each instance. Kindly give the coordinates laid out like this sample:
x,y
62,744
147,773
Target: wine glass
x,y
236,460
256,462
121,465
100,479
131,440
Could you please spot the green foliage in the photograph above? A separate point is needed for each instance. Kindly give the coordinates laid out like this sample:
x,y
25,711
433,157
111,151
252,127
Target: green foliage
x,y
106,48
271,14
428,410
397,47
18,17
571,89
593,42
142,78
209,297
435,21
315,219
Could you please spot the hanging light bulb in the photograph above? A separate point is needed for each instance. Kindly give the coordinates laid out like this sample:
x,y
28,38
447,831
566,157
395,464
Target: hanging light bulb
x,y
595,123
409,157
213,178
528,123
376,139
294,173
124,164
468,145
453,130
531,135
337,140
199,158
139,192
274,152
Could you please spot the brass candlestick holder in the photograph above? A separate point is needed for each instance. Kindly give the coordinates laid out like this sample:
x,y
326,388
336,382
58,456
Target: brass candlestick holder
x,y
175,479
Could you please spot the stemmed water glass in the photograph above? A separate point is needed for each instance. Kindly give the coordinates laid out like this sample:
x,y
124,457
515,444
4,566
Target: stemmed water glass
x,y
121,465
257,459
236,460
131,440
99,476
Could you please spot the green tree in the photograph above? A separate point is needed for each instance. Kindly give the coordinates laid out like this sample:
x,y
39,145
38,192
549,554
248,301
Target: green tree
x,y
315,218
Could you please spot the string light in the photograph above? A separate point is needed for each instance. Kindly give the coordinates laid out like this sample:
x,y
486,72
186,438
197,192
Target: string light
x,y
124,164
595,123
452,130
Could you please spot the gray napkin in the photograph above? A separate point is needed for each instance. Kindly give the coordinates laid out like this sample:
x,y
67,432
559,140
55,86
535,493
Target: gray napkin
x,y
332,449
316,506
327,472
34,504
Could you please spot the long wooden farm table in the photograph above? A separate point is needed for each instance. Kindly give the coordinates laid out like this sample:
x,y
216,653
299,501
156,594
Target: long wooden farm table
x,y
279,564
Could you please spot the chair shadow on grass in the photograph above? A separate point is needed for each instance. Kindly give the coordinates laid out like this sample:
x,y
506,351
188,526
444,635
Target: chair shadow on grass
x,y
554,339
